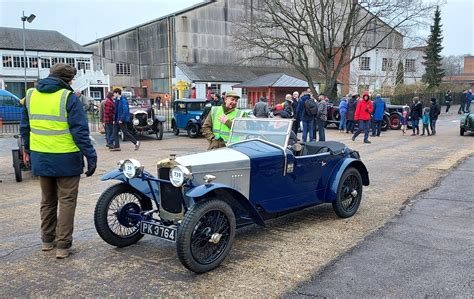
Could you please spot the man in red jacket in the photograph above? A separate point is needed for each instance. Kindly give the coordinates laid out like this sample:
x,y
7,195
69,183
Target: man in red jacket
x,y
362,115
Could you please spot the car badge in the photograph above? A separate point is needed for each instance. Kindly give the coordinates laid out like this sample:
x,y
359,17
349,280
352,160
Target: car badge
x,y
323,163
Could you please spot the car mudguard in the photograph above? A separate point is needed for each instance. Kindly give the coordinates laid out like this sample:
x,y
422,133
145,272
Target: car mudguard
x,y
203,190
333,183
142,186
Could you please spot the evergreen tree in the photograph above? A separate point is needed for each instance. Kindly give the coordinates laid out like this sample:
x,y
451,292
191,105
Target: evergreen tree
x,y
400,79
432,59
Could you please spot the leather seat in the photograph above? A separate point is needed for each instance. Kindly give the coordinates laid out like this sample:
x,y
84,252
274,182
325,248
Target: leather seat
x,y
318,147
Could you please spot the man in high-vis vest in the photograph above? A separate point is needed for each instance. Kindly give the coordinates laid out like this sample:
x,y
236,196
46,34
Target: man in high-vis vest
x,y
56,134
216,127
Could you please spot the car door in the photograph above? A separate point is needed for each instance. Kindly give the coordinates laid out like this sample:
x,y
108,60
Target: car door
x,y
10,109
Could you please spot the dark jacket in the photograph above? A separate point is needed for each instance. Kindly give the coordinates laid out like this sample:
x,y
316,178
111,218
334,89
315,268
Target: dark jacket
x,y
289,107
122,111
261,109
68,164
434,110
300,111
379,108
416,111
351,108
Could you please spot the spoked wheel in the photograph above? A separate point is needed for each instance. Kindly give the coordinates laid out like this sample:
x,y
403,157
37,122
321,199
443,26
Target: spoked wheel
x,y
349,193
206,235
385,123
395,123
17,165
112,215
193,130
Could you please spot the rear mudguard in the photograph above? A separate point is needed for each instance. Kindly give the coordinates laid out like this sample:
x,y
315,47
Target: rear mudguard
x,y
147,187
331,190
206,189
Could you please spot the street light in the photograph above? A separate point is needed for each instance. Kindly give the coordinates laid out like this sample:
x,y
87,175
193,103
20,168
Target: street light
x,y
30,19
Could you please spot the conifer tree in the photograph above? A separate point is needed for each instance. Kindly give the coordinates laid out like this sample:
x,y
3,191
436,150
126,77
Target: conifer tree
x,y
432,59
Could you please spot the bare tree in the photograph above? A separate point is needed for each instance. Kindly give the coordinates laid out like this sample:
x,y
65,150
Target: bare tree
x,y
453,64
325,34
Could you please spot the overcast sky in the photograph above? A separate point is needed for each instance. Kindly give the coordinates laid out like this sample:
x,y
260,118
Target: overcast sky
x,y
85,20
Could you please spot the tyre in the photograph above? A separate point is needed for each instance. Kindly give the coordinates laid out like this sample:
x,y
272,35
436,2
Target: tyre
x,y
193,130
349,193
17,165
461,132
385,123
206,235
110,216
394,121
122,136
159,131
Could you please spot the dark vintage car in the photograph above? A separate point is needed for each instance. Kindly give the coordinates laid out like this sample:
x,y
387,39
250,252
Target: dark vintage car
x,y
334,117
143,120
199,200
466,123
188,116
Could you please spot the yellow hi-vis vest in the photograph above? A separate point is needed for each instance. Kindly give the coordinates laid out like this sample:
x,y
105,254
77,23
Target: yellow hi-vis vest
x,y
219,129
49,129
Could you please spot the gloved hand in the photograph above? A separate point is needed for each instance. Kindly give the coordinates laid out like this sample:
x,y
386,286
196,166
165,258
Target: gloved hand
x,y
91,166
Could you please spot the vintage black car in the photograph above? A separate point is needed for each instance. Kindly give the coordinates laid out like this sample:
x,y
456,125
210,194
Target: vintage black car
x,y
334,117
143,120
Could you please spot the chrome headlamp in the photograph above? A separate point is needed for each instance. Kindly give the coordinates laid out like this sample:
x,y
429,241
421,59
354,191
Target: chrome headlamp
x,y
136,122
149,121
131,168
179,175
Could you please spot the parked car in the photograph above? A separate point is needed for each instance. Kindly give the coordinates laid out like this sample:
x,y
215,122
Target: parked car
x,y
10,107
334,117
467,123
198,200
143,120
188,115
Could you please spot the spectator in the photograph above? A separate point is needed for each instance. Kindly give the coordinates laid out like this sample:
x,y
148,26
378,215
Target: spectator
x,y
468,101
351,108
404,119
296,123
261,108
343,114
216,100
362,115
158,102
288,105
435,110
416,112
108,117
307,110
379,112
322,117
122,120
448,99
462,102
425,119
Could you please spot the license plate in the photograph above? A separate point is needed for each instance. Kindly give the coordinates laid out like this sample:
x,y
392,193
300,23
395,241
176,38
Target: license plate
x,y
157,230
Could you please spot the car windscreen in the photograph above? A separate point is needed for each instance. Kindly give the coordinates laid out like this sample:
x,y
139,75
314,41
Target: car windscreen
x,y
196,106
273,130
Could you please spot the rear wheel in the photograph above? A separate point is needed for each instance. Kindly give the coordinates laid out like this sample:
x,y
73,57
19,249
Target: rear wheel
x,y
462,131
193,130
349,193
112,215
206,235
17,165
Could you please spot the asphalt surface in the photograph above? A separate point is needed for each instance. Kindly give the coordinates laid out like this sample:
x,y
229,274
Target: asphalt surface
x,y
264,262
428,251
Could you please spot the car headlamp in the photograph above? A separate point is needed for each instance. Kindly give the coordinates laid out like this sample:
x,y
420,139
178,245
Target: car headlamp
x,y
198,117
179,174
131,168
149,121
136,122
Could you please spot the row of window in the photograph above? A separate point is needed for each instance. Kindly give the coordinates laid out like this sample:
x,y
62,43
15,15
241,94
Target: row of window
x,y
387,64
11,61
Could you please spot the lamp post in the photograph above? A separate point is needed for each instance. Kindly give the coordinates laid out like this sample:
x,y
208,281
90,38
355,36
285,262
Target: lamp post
x,y
30,19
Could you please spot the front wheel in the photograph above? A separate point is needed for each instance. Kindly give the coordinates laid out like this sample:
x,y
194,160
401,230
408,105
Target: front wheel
x,y
462,131
349,193
385,123
206,235
112,218
17,165
193,130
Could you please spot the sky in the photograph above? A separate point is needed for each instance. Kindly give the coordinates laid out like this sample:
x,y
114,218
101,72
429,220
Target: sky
x,y
85,20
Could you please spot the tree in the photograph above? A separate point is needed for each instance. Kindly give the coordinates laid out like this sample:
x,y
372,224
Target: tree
x,y
332,32
453,64
400,79
432,59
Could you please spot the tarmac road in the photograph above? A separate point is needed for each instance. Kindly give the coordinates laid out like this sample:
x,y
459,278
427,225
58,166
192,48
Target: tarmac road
x,y
266,261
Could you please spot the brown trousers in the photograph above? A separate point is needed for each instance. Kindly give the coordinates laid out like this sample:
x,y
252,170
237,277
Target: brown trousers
x,y
54,225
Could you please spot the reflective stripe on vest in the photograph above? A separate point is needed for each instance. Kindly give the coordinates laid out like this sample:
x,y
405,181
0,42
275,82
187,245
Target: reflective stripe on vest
x,y
219,129
49,129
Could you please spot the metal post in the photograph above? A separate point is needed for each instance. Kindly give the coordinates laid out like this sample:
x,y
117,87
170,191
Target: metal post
x,y
23,19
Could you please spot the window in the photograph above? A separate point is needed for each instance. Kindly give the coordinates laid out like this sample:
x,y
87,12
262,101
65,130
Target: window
x,y
364,63
7,61
410,65
55,60
33,61
45,62
160,85
18,61
387,64
71,62
215,88
96,95
83,63
122,69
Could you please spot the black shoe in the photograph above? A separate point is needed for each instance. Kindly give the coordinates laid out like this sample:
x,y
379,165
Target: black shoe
x,y
353,138
109,146
367,141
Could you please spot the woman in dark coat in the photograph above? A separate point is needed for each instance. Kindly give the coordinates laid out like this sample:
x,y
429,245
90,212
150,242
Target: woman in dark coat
x,y
351,108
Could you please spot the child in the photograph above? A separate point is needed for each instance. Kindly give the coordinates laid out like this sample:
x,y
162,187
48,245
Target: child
x,y
425,119
404,119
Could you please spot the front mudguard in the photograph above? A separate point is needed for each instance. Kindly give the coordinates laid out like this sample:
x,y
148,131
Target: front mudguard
x,y
202,191
331,190
147,187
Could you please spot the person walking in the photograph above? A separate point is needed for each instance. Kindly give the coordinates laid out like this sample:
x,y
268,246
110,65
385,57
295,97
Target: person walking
x,y
122,120
56,134
108,118
379,112
448,99
216,127
322,117
351,108
343,114
261,108
462,102
435,110
362,115
307,110
468,101
425,119
416,113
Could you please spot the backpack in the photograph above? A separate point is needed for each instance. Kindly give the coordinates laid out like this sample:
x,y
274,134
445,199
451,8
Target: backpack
x,y
310,107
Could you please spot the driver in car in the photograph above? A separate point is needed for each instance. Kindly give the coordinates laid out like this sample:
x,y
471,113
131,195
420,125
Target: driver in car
x,y
216,127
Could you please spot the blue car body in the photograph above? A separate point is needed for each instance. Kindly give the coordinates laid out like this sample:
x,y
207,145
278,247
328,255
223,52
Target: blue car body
x,y
10,107
188,115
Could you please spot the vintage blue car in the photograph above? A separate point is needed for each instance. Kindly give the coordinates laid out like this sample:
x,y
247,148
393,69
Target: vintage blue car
x,y
188,115
199,200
